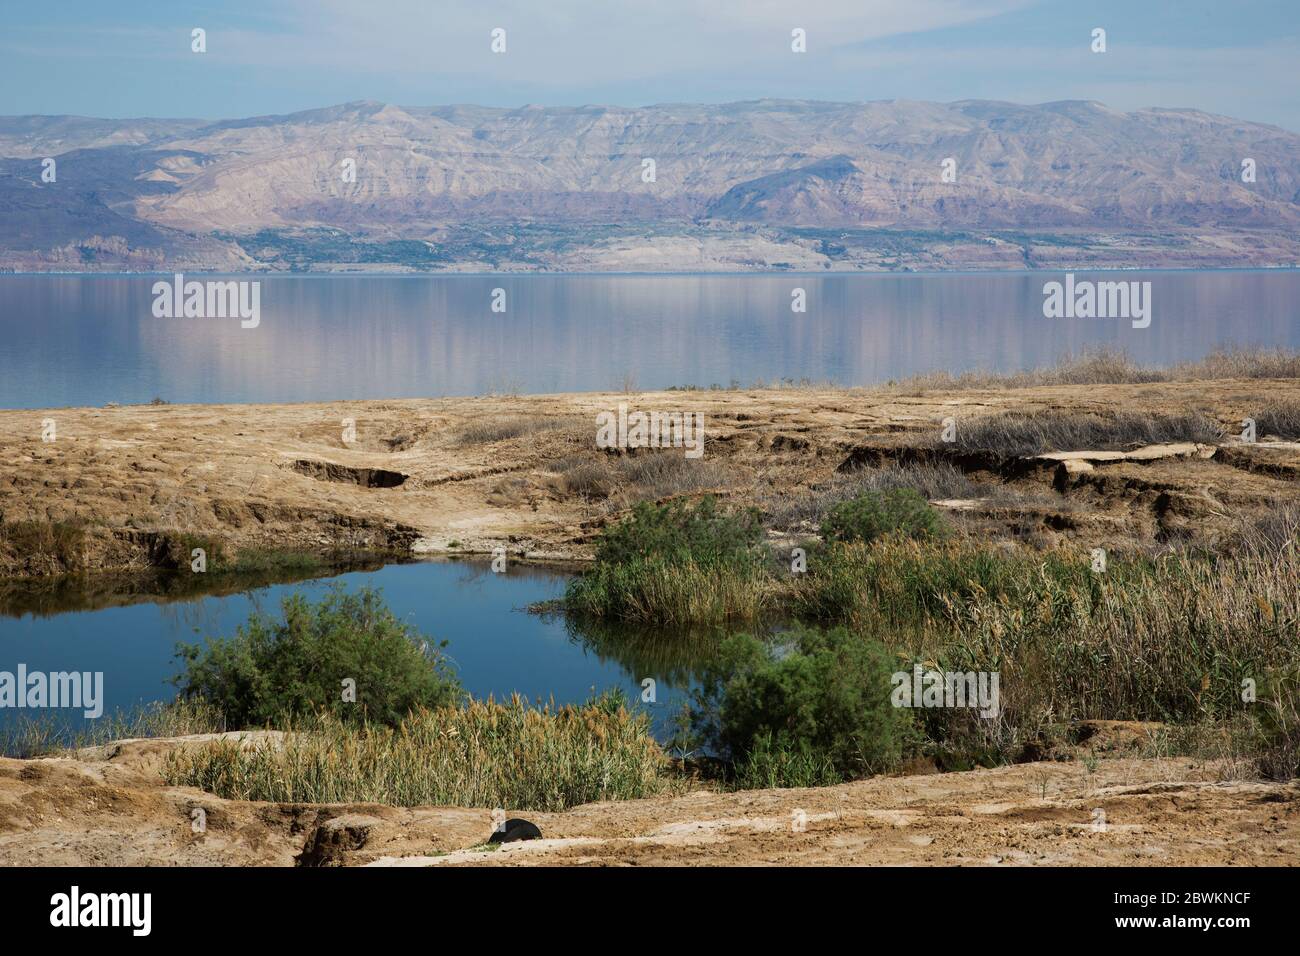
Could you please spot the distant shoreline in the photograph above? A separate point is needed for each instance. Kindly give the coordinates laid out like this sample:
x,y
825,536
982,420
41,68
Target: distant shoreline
x,y
755,273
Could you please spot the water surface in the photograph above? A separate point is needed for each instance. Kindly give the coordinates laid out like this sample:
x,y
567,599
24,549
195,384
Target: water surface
x,y
89,340
495,646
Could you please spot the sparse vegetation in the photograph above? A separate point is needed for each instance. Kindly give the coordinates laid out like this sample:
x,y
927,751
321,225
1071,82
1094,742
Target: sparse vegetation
x,y
1108,366
1269,531
1279,419
44,546
41,736
625,480
484,430
935,481
1018,434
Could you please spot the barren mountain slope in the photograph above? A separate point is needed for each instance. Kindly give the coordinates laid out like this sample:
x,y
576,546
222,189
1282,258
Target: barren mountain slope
x,y
439,175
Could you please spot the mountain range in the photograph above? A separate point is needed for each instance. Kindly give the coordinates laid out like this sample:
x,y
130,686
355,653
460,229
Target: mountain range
x,y
755,185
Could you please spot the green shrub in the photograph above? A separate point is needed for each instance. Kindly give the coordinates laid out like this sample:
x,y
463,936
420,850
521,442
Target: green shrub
x,y
813,709
875,514
679,531
675,564
296,665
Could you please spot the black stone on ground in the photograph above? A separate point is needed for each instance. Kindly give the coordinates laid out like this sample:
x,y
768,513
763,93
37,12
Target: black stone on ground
x,y
515,829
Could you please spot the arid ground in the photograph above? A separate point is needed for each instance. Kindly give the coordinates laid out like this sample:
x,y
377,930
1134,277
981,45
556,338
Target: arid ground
x,y
107,805
469,475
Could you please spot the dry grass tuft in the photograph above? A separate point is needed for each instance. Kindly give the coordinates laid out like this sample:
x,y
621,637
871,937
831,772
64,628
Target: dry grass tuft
x,y
484,430
620,481
1012,434
1280,419
1106,366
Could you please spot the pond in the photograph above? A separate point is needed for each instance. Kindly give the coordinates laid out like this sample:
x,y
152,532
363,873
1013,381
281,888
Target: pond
x,y
496,646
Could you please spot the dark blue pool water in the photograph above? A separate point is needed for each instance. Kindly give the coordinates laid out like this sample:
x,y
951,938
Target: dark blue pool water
x,y
495,646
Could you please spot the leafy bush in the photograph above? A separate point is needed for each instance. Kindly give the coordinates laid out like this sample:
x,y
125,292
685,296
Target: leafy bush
x,y
813,710
674,564
679,531
273,669
875,514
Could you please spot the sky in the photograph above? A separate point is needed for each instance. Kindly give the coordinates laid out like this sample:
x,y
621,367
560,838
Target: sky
x,y
129,58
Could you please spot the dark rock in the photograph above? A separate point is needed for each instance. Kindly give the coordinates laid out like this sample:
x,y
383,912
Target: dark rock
x,y
515,829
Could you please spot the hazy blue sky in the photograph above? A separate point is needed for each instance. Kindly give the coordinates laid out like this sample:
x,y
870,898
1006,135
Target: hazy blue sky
x,y
132,57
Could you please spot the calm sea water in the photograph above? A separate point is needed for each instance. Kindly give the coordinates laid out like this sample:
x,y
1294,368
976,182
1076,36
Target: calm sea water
x,y
88,340
494,645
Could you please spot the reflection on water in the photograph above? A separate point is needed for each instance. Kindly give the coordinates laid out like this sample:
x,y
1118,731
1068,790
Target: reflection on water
x,y
496,645
89,340
173,591
674,657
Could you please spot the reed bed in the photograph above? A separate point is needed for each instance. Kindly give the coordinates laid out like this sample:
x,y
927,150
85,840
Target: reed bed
x,y
1169,638
668,594
484,754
